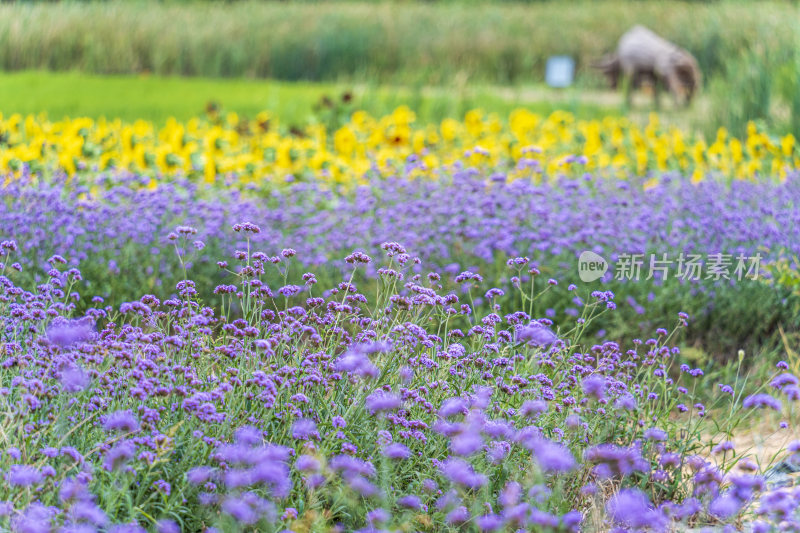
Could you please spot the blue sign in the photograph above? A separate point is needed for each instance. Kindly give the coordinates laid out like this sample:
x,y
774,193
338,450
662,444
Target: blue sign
x,y
560,71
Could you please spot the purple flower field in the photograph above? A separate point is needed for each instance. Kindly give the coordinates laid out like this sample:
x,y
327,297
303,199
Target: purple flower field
x,y
413,356
456,222
116,232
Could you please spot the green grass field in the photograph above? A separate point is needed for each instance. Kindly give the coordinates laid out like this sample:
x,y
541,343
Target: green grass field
x,y
158,98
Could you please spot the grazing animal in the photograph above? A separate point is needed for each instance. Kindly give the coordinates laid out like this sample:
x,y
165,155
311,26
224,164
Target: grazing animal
x,y
643,55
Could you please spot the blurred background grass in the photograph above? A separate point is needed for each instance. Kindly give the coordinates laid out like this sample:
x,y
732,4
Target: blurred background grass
x,y
431,43
749,53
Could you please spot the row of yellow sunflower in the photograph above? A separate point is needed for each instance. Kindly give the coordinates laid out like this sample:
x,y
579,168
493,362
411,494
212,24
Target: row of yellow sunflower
x,y
251,151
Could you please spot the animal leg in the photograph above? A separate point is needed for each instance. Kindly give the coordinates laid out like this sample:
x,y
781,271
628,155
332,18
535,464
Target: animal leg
x,y
627,84
675,86
656,93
